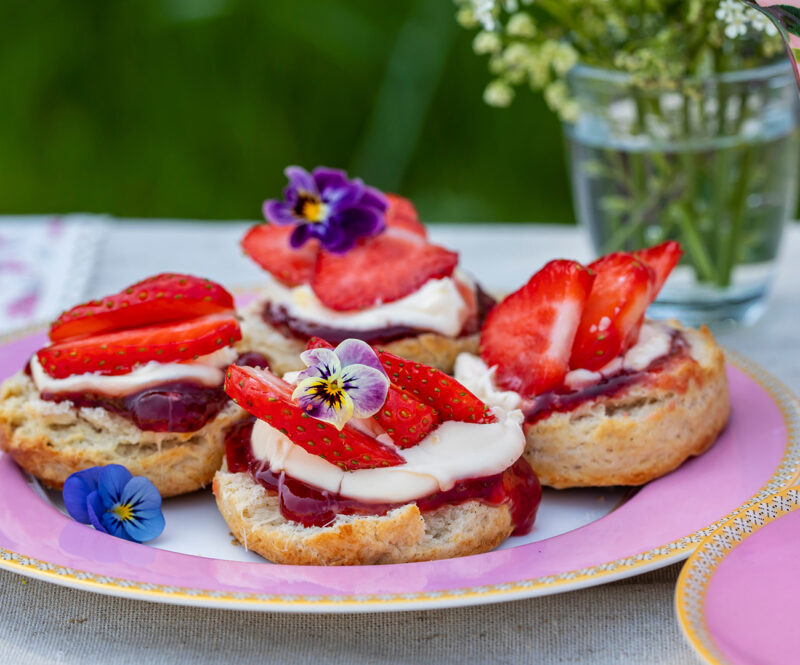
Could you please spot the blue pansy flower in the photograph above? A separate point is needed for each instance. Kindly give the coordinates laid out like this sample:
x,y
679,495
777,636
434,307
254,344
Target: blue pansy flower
x,y
327,205
112,500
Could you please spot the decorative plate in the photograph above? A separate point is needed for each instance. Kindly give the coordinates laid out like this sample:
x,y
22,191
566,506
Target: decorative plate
x,y
737,595
581,537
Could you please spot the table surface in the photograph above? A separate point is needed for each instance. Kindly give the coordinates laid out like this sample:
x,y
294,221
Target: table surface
x,y
631,621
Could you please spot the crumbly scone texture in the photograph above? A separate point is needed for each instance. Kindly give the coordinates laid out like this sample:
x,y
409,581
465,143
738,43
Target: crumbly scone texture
x,y
52,440
643,433
284,352
402,535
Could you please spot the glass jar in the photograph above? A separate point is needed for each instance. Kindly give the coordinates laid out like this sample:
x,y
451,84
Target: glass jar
x,y
712,165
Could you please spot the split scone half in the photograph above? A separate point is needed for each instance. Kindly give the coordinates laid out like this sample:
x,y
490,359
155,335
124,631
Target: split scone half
x,y
395,289
609,398
426,472
134,379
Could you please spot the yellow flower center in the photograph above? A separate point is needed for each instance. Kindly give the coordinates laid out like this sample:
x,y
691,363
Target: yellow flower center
x,y
329,390
123,511
313,210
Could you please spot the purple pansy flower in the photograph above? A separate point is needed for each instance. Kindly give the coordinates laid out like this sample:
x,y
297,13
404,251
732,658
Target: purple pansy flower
x,y
326,205
342,383
112,500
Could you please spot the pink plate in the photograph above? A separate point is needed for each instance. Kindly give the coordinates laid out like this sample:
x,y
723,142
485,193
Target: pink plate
x,y
757,455
737,596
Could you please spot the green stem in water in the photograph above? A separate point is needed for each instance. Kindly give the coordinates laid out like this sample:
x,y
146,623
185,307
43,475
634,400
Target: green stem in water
x,y
738,211
694,244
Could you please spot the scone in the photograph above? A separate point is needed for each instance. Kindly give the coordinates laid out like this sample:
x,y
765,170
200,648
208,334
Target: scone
x,y
420,469
609,398
134,379
361,269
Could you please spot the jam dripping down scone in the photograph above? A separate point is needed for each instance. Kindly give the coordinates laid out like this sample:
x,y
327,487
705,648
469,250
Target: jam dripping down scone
x,y
135,378
609,397
433,473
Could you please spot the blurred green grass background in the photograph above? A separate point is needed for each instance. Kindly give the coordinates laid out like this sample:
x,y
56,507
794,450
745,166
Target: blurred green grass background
x,y
192,108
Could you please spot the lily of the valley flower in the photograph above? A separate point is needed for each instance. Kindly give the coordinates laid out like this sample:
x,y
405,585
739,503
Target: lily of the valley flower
x,y
112,500
326,205
342,383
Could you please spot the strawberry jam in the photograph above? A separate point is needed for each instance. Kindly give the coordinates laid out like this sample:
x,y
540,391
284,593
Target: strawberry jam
x,y
176,406
290,326
565,399
517,486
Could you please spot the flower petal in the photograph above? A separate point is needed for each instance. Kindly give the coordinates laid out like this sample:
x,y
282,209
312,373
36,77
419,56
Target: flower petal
x,y
345,196
374,198
336,412
279,212
358,352
111,483
320,363
77,488
367,387
147,525
333,237
301,234
360,221
329,179
142,496
96,510
113,525
300,179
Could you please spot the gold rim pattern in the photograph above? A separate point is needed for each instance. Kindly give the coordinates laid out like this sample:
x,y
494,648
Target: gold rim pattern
x,y
786,473
690,592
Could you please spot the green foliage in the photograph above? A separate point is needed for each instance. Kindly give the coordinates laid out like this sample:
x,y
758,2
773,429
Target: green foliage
x,y
192,108
661,44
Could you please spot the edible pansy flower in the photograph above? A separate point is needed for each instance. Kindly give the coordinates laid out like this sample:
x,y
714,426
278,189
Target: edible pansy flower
x,y
341,383
112,500
326,205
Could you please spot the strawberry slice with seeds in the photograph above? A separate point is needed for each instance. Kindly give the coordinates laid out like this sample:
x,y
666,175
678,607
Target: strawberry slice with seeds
x,y
119,352
436,389
379,269
662,259
610,324
269,398
159,299
529,335
406,420
268,245
318,343
403,215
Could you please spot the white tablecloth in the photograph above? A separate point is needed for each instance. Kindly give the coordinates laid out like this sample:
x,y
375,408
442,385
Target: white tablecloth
x,y
631,621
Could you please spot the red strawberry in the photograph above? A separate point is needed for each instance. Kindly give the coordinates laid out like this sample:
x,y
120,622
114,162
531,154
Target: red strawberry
x,y
318,343
119,352
268,398
529,335
165,297
403,215
662,259
380,269
405,418
614,312
434,388
268,245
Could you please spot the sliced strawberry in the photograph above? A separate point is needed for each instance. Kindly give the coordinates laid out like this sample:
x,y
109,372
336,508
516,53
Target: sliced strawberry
x,y
434,388
529,335
119,352
614,312
268,398
662,259
405,418
165,297
403,215
318,343
380,269
268,245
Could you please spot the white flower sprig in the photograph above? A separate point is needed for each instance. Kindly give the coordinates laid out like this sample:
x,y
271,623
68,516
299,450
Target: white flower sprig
x,y
661,42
